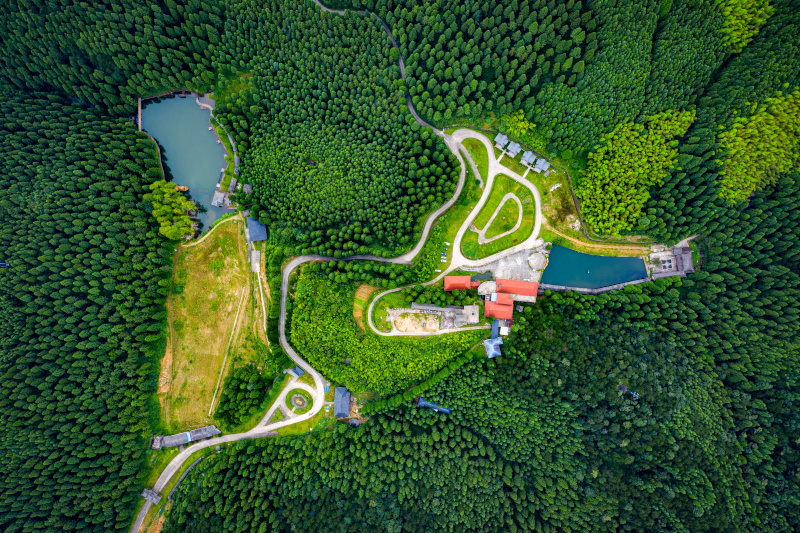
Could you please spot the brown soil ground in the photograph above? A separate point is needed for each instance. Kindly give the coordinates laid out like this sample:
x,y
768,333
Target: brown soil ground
x,y
412,322
360,300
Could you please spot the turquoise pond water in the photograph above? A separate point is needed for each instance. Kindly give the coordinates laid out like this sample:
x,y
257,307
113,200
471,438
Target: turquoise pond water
x,y
189,149
574,269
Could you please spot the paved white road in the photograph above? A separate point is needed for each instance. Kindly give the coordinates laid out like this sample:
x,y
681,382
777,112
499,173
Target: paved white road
x,y
453,142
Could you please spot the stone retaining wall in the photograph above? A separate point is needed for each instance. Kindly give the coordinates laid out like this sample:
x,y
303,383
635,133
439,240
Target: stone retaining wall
x,y
584,290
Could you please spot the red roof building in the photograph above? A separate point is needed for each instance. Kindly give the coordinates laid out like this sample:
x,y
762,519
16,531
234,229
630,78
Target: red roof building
x,y
504,299
513,286
461,283
498,310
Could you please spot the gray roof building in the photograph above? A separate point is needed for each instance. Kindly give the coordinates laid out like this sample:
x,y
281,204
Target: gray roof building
x,y
500,140
258,231
341,402
542,164
514,149
297,370
247,188
687,263
219,199
493,347
179,439
528,158
232,186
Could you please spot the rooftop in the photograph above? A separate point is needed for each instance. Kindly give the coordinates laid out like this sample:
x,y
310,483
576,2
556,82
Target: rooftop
x,y
258,231
528,158
498,310
514,148
513,286
501,139
459,282
341,402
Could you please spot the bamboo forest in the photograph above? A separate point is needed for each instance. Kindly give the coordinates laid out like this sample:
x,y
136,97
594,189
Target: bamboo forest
x,y
378,330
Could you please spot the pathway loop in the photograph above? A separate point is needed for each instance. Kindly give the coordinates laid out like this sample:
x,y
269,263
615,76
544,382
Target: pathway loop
x,y
482,233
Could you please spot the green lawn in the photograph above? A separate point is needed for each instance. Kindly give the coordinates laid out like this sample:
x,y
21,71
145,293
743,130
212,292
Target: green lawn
x,y
505,219
389,301
478,152
304,394
502,185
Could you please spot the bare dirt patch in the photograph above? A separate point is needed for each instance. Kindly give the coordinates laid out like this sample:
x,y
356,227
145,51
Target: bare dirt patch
x,y
411,322
362,295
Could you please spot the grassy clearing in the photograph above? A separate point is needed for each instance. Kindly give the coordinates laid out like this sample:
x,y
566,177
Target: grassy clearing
x,y
456,215
363,294
501,186
478,152
304,394
209,280
380,313
696,255
505,220
318,422
157,460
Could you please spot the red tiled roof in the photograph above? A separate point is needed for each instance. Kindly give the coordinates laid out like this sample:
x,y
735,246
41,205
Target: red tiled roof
x,y
456,282
498,310
513,286
461,283
504,299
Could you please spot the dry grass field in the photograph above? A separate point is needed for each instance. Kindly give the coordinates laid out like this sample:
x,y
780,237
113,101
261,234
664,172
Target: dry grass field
x,y
209,280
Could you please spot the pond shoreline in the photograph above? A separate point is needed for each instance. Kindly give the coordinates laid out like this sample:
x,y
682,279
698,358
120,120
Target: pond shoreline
x,y
183,134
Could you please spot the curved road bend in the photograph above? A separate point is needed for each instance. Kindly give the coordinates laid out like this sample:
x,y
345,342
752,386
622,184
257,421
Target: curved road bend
x,y
458,260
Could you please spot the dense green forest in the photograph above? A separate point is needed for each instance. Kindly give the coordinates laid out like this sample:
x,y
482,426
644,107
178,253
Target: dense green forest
x,y
324,331
81,314
542,439
545,439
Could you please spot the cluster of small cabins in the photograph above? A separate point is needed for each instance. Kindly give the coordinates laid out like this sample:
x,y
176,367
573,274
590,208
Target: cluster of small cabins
x,y
529,159
499,297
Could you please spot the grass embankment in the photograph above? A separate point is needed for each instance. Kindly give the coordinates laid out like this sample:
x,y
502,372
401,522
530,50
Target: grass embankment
x,y
380,313
305,395
231,164
156,515
501,186
478,152
506,218
209,280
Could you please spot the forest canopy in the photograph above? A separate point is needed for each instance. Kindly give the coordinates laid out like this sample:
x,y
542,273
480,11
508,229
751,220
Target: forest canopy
x,y
628,161
674,118
760,148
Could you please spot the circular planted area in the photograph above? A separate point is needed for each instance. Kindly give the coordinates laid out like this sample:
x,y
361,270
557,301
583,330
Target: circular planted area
x,y
507,219
299,401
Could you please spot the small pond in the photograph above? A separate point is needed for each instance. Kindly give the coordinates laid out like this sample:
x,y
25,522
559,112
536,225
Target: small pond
x,y
574,269
189,149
